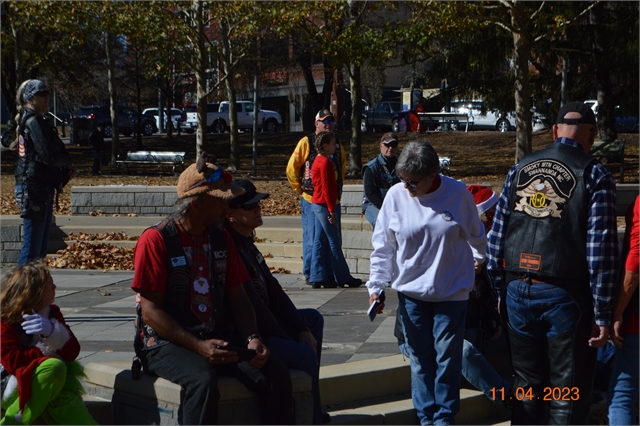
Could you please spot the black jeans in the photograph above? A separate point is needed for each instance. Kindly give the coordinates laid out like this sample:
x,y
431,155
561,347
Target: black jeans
x,y
199,380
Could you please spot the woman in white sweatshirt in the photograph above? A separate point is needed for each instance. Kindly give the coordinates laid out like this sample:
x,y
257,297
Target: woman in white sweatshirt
x,y
425,242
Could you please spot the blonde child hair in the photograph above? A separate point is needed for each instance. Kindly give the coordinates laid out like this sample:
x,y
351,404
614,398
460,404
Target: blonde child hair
x,y
22,289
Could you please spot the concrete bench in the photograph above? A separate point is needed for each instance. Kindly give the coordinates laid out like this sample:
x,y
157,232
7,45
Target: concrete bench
x,y
153,400
610,151
176,159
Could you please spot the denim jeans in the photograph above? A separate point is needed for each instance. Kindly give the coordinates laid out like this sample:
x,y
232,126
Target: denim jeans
x,y
434,332
334,237
35,234
550,349
623,388
475,367
371,213
316,265
299,356
540,311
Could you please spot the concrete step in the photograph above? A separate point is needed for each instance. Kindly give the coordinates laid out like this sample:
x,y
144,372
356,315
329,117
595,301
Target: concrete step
x,y
475,408
100,409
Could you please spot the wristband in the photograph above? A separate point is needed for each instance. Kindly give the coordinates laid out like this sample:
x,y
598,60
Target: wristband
x,y
253,336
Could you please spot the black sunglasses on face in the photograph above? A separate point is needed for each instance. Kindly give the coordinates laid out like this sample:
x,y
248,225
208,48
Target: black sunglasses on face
x,y
391,144
411,183
327,122
248,207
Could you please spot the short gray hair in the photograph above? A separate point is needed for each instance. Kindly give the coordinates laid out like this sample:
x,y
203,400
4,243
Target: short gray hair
x,y
418,158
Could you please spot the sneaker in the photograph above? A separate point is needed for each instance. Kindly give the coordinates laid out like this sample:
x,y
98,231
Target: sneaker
x,y
354,282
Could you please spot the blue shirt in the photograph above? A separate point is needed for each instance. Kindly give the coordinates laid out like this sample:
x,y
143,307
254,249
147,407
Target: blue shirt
x,y
602,235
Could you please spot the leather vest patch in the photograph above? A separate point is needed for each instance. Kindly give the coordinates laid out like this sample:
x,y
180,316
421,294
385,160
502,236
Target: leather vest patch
x,y
543,188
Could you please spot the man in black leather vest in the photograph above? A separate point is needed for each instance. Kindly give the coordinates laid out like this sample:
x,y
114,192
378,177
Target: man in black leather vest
x,y
554,244
190,278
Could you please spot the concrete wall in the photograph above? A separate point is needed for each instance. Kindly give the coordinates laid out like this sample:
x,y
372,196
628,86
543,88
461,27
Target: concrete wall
x,y
139,199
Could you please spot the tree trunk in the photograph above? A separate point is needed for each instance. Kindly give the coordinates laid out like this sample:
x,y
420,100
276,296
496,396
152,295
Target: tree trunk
x,y
201,83
312,99
606,104
113,97
355,152
328,85
234,139
522,53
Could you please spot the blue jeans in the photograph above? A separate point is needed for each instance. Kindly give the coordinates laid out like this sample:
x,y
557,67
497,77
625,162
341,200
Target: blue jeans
x,y
623,388
549,348
316,265
299,356
334,237
475,367
371,213
434,332
35,233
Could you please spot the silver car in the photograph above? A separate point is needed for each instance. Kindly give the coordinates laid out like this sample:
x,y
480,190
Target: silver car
x,y
491,120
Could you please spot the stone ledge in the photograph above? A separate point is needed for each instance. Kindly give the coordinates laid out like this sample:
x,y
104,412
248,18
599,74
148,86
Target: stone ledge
x,y
153,400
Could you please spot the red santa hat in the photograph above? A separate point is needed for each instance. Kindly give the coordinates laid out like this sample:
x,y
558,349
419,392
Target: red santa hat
x,y
483,196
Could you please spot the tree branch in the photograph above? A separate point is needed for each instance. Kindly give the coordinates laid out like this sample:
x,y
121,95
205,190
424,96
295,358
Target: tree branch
x,y
533,15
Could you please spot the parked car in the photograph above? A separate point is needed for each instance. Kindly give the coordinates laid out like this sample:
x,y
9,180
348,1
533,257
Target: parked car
x,y
627,124
384,115
268,120
212,116
490,120
176,116
127,119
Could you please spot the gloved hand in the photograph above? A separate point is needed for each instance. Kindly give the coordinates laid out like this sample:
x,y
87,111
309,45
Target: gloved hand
x,y
37,324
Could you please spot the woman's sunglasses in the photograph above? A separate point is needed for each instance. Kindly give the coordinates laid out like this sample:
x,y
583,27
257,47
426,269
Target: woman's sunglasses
x,y
411,183
247,207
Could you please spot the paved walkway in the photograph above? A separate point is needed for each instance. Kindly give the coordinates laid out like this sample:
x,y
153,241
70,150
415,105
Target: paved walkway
x,y
99,307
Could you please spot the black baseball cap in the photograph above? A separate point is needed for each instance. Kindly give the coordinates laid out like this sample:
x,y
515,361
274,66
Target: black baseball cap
x,y
588,117
250,196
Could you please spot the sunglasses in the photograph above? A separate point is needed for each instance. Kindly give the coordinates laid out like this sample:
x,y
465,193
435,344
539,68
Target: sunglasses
x,y
247,207
327,122
411,183
391,144
212,178
42,93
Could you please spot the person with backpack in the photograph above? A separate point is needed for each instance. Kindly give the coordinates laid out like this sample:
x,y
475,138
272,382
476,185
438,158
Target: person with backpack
x,y
42,169
195,318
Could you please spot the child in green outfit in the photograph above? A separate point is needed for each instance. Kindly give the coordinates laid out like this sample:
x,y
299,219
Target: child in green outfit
x,y
41,376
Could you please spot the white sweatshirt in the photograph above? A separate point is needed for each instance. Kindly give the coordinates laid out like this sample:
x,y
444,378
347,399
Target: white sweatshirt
x,y
425,246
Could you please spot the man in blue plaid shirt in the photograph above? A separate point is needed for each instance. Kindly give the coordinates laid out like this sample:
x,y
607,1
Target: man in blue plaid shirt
x,y
553,251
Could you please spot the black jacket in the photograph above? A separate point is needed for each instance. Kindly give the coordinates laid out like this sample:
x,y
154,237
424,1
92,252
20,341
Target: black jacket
x,y
42,157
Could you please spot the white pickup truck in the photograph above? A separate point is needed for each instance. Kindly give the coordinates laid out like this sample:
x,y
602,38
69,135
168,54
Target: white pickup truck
x,y
218,118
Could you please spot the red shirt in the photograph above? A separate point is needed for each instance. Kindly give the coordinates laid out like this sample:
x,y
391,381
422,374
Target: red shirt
x,y
632,219
150,257
325,186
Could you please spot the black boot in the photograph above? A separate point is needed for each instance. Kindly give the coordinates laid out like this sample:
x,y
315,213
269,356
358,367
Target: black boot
x,y
531,367
572,363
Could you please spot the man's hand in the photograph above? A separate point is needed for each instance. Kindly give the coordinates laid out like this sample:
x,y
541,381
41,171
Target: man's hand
x,y
213,350
262,353
599,335
497,334
305,337
616,335
331,219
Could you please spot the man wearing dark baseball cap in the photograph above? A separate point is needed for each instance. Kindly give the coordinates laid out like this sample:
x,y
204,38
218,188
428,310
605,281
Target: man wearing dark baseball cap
x,y
316,264
378,175
553,248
